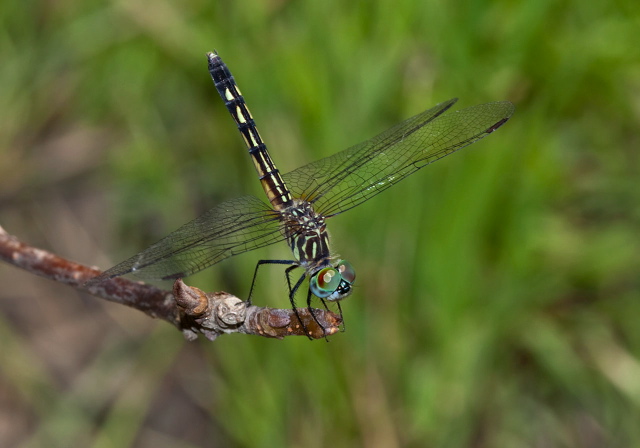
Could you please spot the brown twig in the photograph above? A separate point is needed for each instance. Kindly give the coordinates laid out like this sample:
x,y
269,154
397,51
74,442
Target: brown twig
x,y
189,309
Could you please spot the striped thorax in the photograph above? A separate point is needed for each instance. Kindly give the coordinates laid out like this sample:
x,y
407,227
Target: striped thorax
x,y
306,233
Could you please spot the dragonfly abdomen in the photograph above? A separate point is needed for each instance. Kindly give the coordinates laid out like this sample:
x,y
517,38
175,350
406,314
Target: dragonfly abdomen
x,y
270,178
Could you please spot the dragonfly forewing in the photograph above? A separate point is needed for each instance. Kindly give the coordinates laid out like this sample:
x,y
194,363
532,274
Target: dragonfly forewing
x,y
309,181
346,179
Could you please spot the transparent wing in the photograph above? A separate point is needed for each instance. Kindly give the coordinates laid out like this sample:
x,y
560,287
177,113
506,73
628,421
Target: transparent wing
x,y
342,181
231,228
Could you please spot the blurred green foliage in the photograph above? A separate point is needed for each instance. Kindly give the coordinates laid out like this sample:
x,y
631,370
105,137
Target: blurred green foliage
x,y
498,291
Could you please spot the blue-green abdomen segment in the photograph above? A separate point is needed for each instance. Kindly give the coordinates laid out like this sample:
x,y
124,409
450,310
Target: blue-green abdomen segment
x,y
272,183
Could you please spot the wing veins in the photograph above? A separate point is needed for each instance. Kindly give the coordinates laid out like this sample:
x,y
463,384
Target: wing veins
x,y
346,179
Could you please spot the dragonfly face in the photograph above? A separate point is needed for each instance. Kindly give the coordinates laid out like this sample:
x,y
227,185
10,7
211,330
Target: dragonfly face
x,y
333,283
300,202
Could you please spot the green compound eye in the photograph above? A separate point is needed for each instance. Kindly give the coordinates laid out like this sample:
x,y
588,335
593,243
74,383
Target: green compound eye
x,y
346,271
325,282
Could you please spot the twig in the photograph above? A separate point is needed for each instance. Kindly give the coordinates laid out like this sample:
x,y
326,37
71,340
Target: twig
x,y
187,308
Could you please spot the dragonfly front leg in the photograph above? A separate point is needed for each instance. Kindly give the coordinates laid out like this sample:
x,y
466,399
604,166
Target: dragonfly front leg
x,y
341,316
292,295
309,294
287,275
260,263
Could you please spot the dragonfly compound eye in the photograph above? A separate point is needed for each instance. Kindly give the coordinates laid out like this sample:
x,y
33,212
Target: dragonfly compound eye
x,y
325,282
346,271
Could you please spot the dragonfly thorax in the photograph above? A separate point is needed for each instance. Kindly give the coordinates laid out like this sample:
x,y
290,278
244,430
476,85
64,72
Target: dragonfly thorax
x,y
306,233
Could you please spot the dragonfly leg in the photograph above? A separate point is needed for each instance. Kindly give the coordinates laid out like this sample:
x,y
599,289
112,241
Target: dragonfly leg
x,y
292,294
255,273
341,316
324,303
313,314
287,275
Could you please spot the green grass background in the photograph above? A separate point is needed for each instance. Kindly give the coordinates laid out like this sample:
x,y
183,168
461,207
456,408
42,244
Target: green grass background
x,y
498,292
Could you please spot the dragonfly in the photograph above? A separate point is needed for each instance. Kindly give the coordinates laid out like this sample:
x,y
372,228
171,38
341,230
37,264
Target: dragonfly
x,y
301,201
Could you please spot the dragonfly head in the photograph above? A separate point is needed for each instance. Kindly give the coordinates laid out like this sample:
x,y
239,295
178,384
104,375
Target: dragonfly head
x,y
333,283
